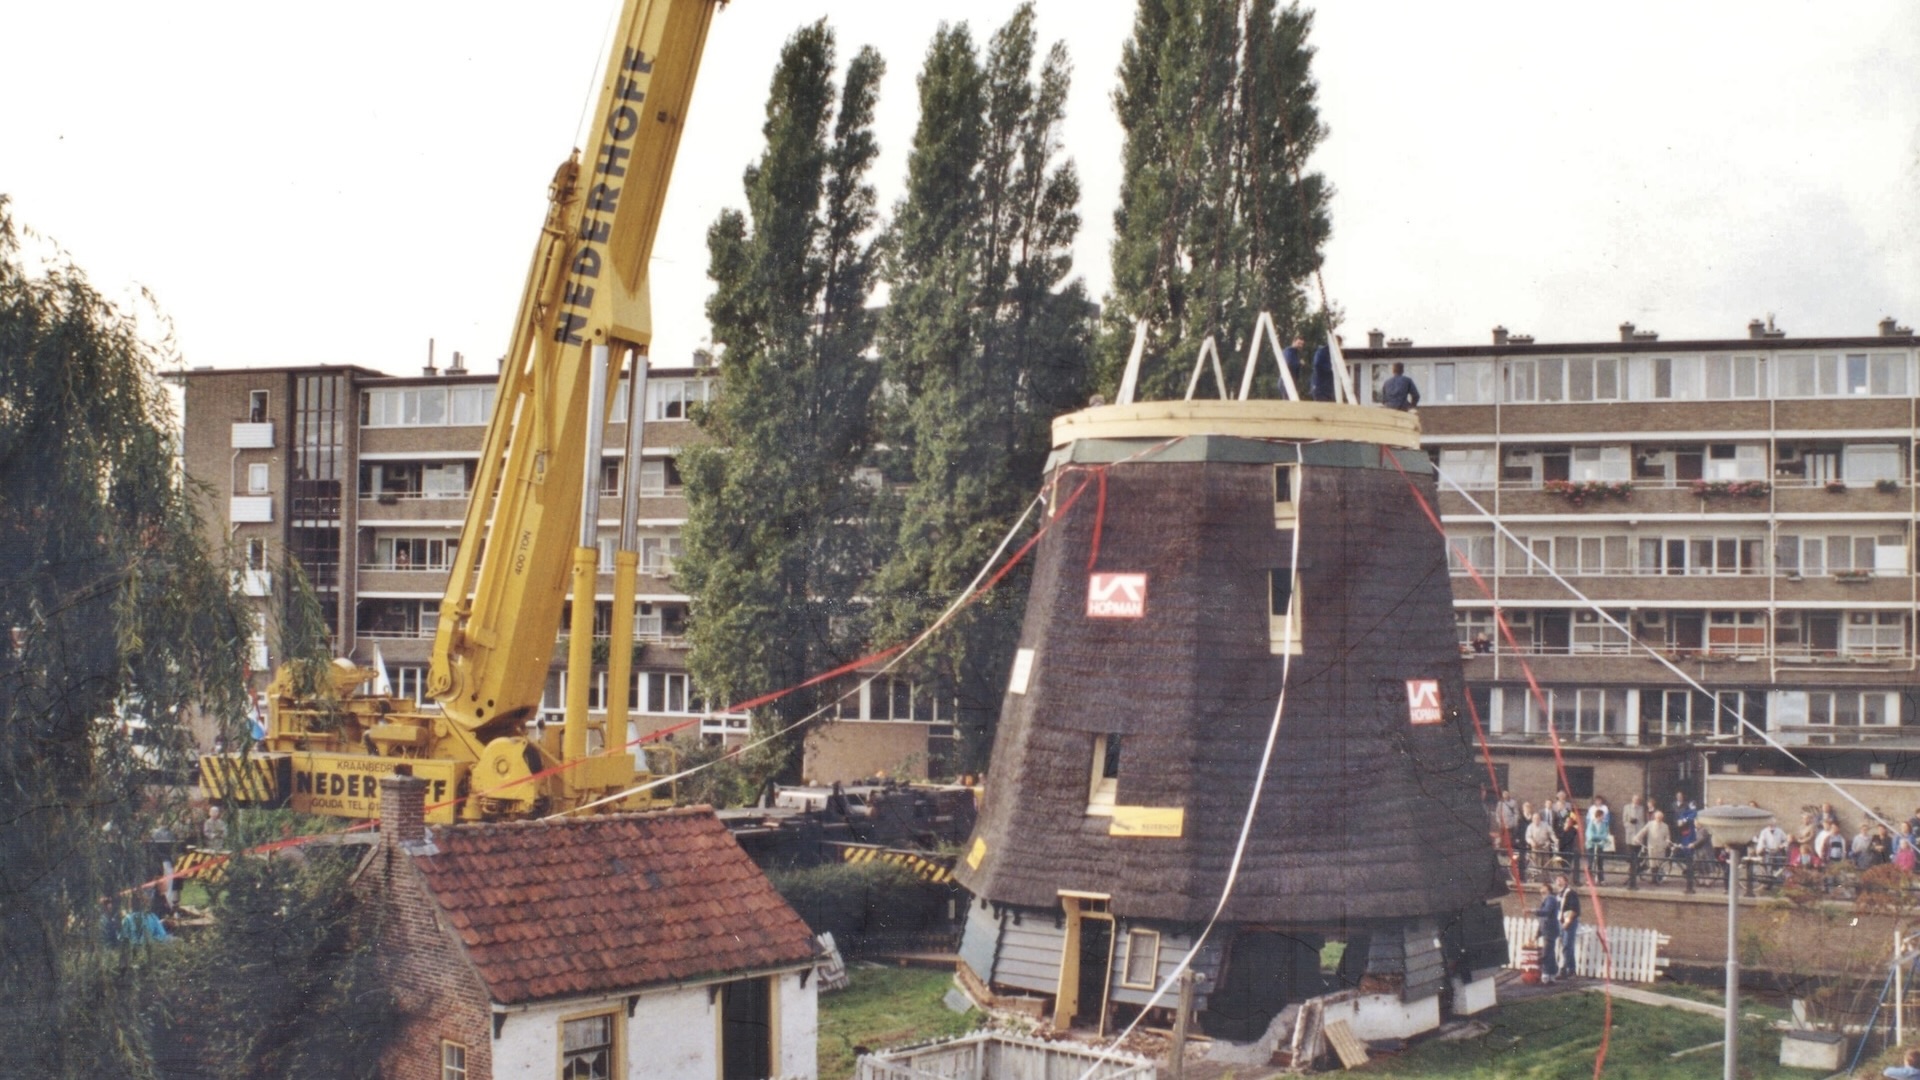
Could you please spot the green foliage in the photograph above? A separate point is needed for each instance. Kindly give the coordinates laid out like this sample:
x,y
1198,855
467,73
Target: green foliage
x,y
284,983
771,558
1218,217
108,601
885,1007
853,900
986,341
724,779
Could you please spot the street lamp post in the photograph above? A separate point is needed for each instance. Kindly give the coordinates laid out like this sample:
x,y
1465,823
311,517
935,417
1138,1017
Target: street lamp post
x,y
1733,828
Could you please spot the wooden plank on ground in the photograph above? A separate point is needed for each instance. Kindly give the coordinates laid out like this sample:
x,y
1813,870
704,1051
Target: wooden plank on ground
x,y
1353,1052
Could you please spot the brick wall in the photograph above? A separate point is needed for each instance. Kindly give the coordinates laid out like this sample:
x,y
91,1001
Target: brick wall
x,y
437,992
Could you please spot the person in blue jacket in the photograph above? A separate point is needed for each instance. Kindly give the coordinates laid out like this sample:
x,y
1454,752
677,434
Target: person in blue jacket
x,y
1548,914
1322,374
1291,357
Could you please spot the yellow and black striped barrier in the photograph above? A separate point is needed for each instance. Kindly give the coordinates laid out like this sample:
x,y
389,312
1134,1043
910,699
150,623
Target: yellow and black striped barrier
x,y
934,869
252,780
206,867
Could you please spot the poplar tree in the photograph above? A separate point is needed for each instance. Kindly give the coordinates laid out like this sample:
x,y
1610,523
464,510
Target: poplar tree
x,y
986,340
773,547
109,603
1219,218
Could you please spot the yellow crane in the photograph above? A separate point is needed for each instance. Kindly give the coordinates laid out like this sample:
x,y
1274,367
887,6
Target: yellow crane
x,y
529,533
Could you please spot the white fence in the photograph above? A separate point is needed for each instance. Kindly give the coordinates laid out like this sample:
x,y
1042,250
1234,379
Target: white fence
x,y
1635,952
988,1055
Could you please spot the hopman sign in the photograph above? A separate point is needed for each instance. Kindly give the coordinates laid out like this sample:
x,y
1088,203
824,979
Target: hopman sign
x,y
1117,596
1423,702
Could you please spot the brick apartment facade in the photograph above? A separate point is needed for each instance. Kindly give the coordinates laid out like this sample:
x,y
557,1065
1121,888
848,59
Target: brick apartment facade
x,y
1744,505
364,477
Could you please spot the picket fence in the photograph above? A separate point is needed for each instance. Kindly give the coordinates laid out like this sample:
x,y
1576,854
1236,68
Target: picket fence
x,y
1635,952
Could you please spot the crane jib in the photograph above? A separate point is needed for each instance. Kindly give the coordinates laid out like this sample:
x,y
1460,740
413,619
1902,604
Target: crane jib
x,y
622,124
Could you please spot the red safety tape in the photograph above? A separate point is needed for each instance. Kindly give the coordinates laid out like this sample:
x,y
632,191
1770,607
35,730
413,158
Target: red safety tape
x,y
1559,761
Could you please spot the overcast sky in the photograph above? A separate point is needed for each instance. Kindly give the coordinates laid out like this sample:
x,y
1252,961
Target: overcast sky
x,y
341,183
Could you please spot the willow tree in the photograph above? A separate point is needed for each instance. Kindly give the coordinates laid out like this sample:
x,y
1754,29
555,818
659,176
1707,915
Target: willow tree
x,y
773,551
986,340
109,604
1219,217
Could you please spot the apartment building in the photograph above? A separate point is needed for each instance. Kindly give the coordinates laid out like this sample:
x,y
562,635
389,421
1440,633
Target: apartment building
x,y
1744,506
364,479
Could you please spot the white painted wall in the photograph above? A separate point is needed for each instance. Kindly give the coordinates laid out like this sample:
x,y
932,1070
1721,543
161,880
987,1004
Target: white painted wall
x,y
673,1035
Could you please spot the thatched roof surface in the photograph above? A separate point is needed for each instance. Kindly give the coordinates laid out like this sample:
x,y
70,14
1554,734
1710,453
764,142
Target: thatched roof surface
x,y
1364,815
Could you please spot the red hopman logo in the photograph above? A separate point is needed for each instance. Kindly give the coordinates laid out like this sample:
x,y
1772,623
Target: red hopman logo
x,y
1117,596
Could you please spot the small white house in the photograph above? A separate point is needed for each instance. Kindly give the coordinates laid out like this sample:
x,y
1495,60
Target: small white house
x,y
618,947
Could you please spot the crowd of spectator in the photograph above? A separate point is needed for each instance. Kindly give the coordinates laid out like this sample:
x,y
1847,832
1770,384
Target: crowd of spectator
x,y
1653,840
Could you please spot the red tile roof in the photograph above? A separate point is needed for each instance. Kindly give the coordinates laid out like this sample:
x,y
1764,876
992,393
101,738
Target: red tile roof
x,y
596,905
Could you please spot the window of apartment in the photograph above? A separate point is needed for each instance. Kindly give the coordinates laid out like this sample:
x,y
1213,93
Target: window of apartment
x,y
609,478
444,481
1852,554
1580,713
1842,708
658,476
1469,467
415,552
746,1029
1739,632
389,481
1141,967
901,699
1875,633
1441,382
256,406
670,692
453,1060
1612,464
469,405
258,478
256,553
1590,555
1580,781
1842,375
1664,378
1104,785
1735,461
1866,463
1732,377
1592,634
673,399
1470,550
586,1048
398,618
657,554
1470,624
426,406
647,621
410,681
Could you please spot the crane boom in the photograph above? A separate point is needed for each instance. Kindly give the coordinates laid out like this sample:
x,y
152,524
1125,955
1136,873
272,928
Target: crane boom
x,y
534,511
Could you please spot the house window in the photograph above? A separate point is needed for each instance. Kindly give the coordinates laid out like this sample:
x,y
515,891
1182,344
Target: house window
x,y
453,1061
609,478
586,1048
1467,553
256,406
746,1030
1470,467
256,553
257,479
1143,959
1580,781
658,475
1105,786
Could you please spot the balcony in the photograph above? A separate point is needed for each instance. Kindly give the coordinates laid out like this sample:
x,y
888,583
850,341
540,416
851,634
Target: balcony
x,y
250,509
253,436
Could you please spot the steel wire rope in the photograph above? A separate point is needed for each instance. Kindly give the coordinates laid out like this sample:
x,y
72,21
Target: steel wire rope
x,y
1246,822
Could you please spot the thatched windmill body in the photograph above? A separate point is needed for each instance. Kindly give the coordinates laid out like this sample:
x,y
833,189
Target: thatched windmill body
x,y
1201,557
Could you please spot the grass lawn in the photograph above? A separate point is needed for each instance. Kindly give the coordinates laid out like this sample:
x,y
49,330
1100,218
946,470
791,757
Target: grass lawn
x,y
1556,1038
885,1007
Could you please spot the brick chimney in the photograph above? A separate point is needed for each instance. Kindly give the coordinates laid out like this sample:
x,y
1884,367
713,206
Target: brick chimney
x,y
1499,335
1626,331
1757,329
403,812
1890,327
1376,339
